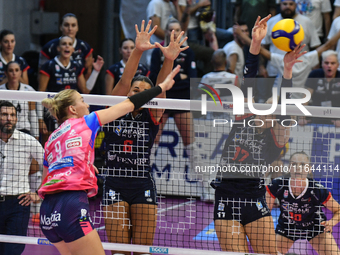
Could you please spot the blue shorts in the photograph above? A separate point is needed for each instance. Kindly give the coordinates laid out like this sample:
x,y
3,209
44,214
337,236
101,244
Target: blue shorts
x,y
243,210
65,216
133,192
294,234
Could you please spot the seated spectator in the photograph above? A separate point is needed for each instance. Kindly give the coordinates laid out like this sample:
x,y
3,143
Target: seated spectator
x,y
324,85
234,50
115,72
7,42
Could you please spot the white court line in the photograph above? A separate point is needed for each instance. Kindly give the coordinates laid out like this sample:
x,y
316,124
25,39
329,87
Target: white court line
x,y
162,210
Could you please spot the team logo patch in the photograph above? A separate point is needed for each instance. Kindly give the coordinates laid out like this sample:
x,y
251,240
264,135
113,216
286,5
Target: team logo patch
x,y
112,194
121,70
118,130
193,64
147,193
285,194
83,213
220,207
259,205
57,68
73,143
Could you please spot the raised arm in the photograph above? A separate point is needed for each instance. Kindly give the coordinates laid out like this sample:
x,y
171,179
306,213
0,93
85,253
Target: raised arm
x,y
170,53
142,44
282,133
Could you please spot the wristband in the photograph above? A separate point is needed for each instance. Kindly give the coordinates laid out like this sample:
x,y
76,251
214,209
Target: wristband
x,y
142,98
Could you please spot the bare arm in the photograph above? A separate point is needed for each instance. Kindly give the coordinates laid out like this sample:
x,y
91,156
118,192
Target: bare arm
x,y
329,44
156,22
232,60
142,44
82,84
336,12
334,207
328,22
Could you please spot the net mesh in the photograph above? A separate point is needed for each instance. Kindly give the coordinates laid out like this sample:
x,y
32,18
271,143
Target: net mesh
x,y
183,162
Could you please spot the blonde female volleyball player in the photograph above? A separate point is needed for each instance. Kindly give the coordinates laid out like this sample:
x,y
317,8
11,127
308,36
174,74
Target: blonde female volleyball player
x,y
301,201
69,175
240,206
129,189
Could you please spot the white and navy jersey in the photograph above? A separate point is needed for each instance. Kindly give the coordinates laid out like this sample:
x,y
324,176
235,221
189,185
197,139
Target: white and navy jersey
x,y
303,211
128,141
186,59
117,70
81,50
3,63
244,153
22,110
325,93
61,77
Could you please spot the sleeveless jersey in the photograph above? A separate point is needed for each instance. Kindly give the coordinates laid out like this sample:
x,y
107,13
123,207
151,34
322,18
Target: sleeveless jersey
x,y
245,152
303,211
81,50
61,77
3,63
117,70
128,141
69,156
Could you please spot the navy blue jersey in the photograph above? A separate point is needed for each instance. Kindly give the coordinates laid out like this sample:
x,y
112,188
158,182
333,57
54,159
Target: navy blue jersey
x,y
244,153
128,141
61,77
186,59
326,93
116,71
3,64
303,211
81,50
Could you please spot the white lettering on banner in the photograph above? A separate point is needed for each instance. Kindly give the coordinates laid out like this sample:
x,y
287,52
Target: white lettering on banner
x,y
238,100
333,152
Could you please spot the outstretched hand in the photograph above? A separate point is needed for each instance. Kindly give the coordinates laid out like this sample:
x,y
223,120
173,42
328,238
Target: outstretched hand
x,y
143,36
174,48
292,57
169,80
259,30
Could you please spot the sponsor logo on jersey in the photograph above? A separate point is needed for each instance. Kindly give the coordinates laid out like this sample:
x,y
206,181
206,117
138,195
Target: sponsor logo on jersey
x,y
147,193
58,133
74,143
72,133
59,81
285,207
67,75
50,158
61,163
285,194
68,173
118,130
259,205
220,207
52,220
53,181
57,68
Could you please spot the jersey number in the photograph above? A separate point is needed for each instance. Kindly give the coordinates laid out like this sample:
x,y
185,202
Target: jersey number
x,y
295,216
243,152
127,145
58,150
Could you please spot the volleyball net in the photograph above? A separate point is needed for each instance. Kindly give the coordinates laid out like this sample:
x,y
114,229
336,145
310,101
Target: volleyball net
x,y
179,218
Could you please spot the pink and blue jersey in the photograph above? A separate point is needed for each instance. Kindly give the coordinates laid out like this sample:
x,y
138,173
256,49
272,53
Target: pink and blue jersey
x,y
69,156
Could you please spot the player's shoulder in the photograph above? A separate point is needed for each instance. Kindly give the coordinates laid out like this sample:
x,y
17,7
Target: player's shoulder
x,y
52,43
26,87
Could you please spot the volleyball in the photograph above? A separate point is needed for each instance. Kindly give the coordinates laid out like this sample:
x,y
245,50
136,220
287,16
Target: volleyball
x,y
287,34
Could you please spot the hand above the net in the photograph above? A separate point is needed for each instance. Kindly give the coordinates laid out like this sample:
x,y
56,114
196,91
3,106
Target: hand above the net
x,y
292,57
169,80
259,30
174,48
143,37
